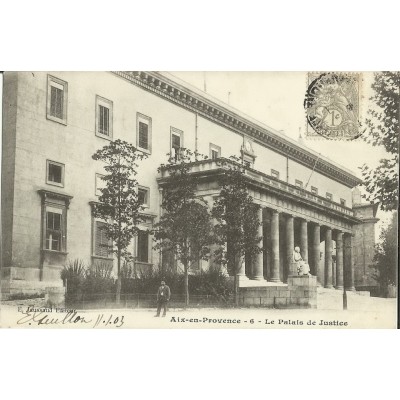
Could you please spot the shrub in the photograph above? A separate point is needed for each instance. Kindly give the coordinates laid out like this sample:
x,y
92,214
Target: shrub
x,y
73,276
87,281
211,282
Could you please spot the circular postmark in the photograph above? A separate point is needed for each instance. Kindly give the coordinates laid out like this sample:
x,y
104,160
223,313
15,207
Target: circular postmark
x,y
332,105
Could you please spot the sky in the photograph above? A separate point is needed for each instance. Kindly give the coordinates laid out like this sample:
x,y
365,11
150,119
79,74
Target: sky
x,y
276,99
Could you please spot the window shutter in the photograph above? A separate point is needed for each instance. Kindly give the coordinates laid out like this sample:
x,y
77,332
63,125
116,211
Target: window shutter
x,y
56,102
104,118
100,240
143,247
143,135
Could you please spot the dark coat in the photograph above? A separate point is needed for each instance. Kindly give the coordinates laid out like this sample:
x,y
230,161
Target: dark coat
x,y
164,293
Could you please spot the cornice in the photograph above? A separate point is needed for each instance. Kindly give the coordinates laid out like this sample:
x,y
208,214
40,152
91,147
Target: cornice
x,y
46,194
267,183
184,97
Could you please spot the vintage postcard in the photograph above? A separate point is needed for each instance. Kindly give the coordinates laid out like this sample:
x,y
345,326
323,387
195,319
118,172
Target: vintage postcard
x,y
138,199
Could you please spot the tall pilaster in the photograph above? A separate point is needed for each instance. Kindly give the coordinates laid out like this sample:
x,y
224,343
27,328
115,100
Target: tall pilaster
x,y
275,247
258,258
349,263
290,245
317,271
304,240
339,260
328,258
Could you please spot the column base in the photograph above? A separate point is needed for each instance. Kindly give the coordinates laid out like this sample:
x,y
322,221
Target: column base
x,y
339,287
351,289
242,278
328,287
258,278
275,280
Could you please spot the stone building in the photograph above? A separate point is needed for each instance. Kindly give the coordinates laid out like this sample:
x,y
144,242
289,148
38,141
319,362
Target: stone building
x,y
54,122
364,243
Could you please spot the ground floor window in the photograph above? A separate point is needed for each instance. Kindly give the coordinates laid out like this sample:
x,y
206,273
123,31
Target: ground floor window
x,y
53,230
143,247
54,221
102,244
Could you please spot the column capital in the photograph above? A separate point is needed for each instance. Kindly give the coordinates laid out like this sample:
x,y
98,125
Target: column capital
x,y
349,234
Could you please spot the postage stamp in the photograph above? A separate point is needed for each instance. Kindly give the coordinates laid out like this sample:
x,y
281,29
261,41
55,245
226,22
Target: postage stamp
x,y
332,105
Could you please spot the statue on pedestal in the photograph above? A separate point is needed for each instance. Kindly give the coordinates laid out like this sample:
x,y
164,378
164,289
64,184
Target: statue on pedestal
x,y
302,267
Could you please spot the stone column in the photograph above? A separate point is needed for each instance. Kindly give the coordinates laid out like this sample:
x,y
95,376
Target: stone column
x,y
349,263
304,240
339,261
290,245
316,254
275,247
258,258
328,258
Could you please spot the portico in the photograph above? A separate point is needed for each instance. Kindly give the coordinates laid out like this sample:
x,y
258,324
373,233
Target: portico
x,y
286,231
289,216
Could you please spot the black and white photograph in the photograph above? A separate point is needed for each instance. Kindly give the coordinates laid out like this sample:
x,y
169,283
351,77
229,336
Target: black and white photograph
x,y
145,199
199,200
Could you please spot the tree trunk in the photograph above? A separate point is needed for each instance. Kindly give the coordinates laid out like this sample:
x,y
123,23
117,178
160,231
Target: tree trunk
x,y
118,294
235,290
186,286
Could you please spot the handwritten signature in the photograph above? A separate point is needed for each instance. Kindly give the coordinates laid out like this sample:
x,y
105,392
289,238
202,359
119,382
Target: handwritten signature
x,y
70,318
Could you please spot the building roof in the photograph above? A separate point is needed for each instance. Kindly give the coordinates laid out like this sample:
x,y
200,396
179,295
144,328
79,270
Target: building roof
x,y
187,96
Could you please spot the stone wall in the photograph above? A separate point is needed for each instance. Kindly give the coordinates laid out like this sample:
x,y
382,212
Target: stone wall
x,y
300,292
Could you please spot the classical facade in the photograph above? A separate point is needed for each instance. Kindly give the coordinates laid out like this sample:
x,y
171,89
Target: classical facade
x,y
364,243
54,122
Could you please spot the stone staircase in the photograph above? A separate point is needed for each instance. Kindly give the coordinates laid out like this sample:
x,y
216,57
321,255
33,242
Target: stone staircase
x,y
332,299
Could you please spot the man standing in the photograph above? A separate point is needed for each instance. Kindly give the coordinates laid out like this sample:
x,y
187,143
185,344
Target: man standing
x,y
163,295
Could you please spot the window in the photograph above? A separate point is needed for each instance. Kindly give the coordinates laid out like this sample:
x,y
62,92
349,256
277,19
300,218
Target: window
x,y
104,111
342,202
143,246
176,142
247,163
55,173
99,184
53,230
275,173
57,99
143,196
314,190
143,129
215,151
298,183
54,227
101,243
329,196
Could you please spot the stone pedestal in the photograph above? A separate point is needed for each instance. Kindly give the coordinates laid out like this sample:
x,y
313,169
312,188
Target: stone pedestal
x,y
303,291
55,296
300,292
